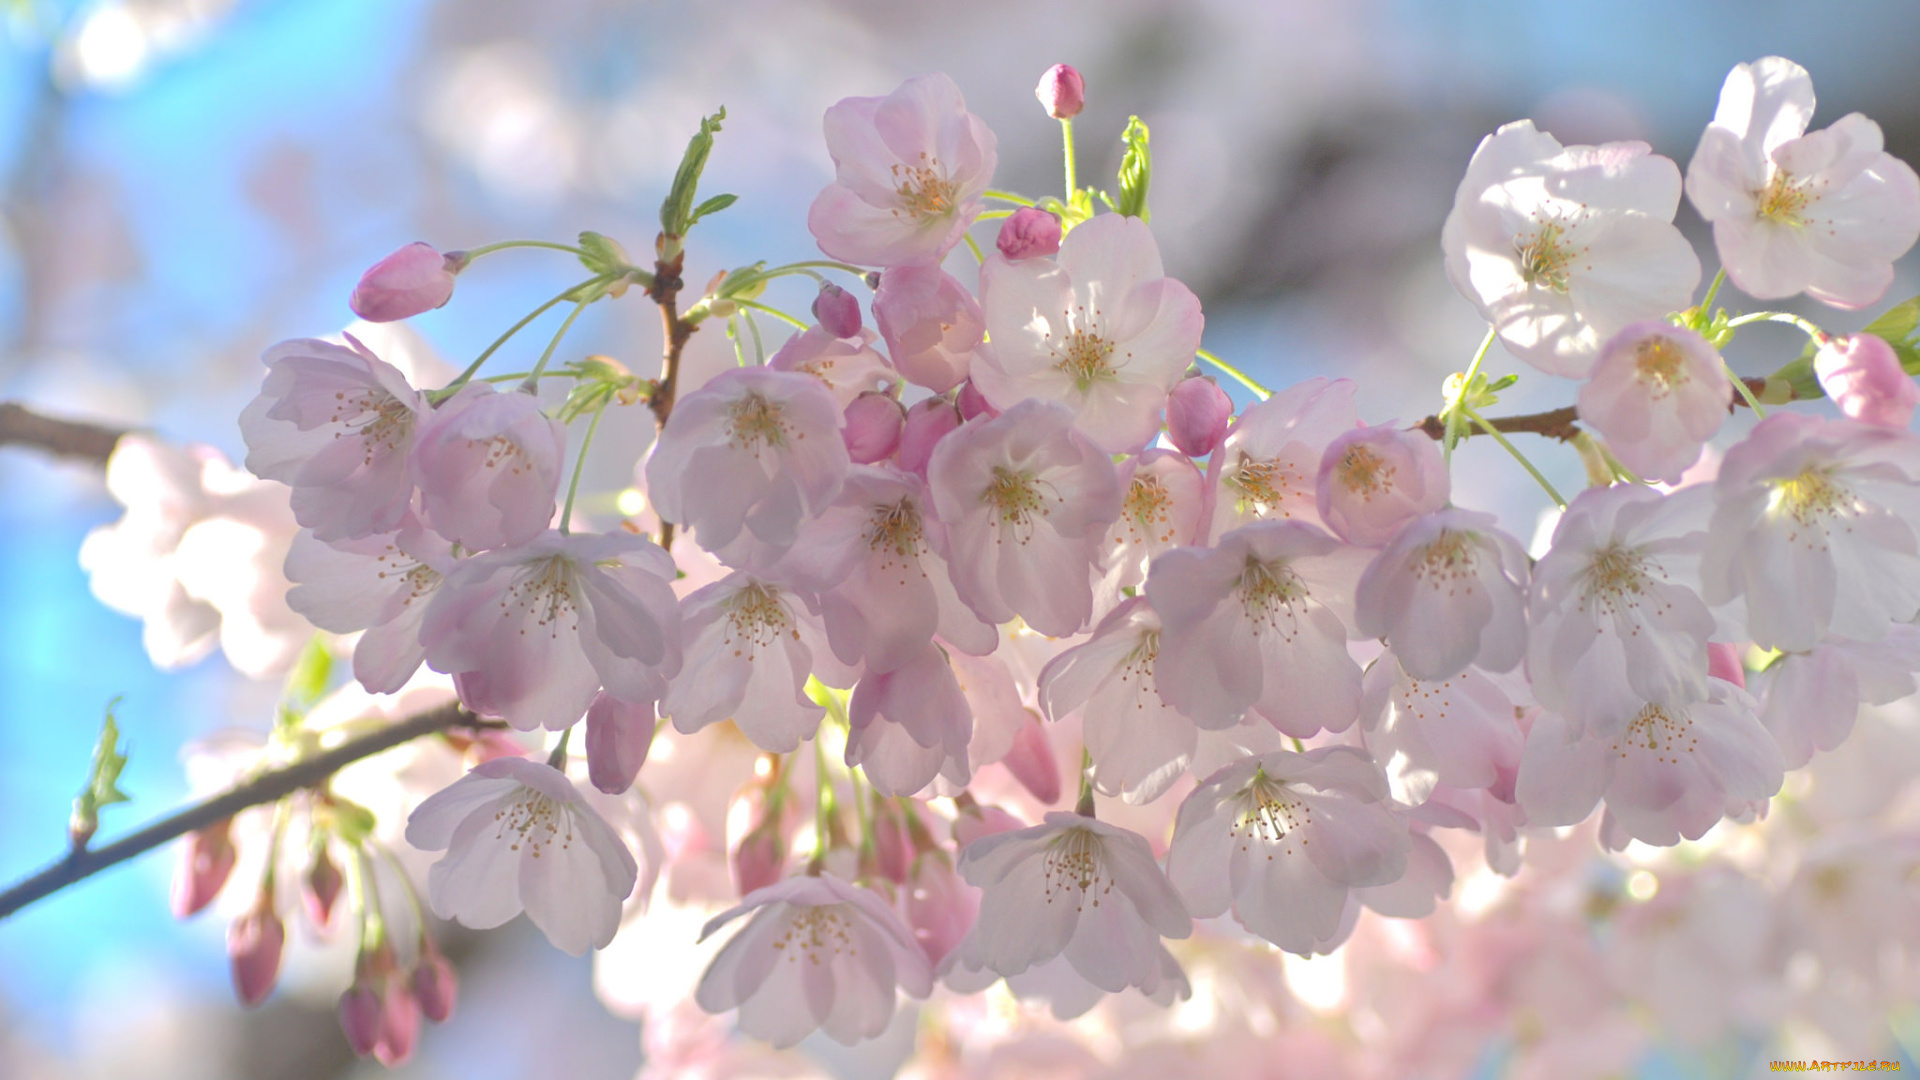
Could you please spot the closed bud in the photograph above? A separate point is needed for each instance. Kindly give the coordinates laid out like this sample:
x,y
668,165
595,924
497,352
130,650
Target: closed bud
x,y
1062,92
982,819
619,734
1863,376
255,942
414,279
1029,233
1723,662
941,907
1031,761
927,423
206,858
360,1017
892,847
399,1023
874,420
972,402
1197,415
322,887
434,984
836,310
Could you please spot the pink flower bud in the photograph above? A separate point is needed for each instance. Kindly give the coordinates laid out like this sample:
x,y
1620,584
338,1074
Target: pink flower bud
x,y
414,279
1197,415
1724,662
892,847
322,888
1062,92
360,1017
205,861
972,402
927,423
759,858
872,433
434,985
399,1023
1030,233
254,944
980,820
1862,374
1032,763
836,310
619,734
941,907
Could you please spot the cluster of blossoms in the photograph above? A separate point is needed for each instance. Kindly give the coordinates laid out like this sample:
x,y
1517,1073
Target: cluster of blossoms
x,y
1016,542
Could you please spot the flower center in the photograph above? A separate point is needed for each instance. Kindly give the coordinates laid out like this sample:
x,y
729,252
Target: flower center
x,y
1784,201
756,618
815,930
543,590
895,530
1615,580
1809,500
1665,734
378,419
1364,472
1448,560
1260,486
1268,593
1016,497
1660,365
1146,510
753,422
924,190
535,821
417,578
1086,357
1270,815
1546,255
1073,868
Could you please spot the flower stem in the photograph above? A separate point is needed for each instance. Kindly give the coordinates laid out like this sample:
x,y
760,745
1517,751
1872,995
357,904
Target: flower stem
x,y
1239,376
1008,196
448,390
974,246
1705,307
1517,455
1740,384
773,311
502,245
1084,805
1454,408
533,377
579,466
1066,143
1818,335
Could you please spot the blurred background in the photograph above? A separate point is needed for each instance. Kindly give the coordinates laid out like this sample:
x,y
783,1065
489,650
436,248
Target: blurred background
x,y
184,182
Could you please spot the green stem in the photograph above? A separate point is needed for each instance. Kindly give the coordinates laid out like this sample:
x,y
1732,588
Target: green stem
x,y
1818,335
502,245
1239,376
1517,455
773,311
533,377
753,327
1454,408
448,390
1066,144
823,800
558,759
974,245
1084,804
579,466
1740,384
1713,290
992,215
733,335
1008,196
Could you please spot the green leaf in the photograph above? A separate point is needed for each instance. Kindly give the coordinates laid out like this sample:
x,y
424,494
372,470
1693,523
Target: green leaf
x,y
310,675
1136,172
603,254
676,213
712,206
348,820
103,781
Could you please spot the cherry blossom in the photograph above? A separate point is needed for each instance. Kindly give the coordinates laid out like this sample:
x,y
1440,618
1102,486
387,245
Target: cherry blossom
x,y
1449,591
1062,91
816,954
1657,394
518,835
1282,839
1372,480
909,170
1812,699
1197,415
1824,213
849,365
1814,526
532,633
749,647
1029,233
1269,463
1560,248
381,584
908,725
932,325
1100,328
488,465
1863,376
1460,732
1139,744
1163,508
414,279
1026,500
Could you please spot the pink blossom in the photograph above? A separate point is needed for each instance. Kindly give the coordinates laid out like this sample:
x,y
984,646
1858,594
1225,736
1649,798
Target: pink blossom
x,y
1030,759
931,323
749,646
836,310
1812,699
1282,839
1062,92
1026,500
488,465
414,279
1373,480
909,170
1247,626
381,584
1459,732
1039,886
908,725
1863,376
1164,507
518,835
1825,213
532,633
753,449
873,423
618,736
337,424
1139,744
1562,247
1813,524
849,366
1657,394
1665,771
1029,233
817,954
1100,329
927,423
255,942
1269,463
1449,591
1197,415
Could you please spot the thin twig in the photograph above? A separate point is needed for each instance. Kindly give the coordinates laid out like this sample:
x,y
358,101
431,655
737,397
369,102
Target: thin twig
x,y
665,292
1562,423
266,788
21,426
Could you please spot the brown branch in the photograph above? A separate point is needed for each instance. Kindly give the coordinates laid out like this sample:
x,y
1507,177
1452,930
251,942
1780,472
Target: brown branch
x,y
1559,423
675,332
83,862
21,426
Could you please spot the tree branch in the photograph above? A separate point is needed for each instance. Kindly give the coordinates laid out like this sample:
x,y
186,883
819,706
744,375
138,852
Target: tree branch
x,y
1562,423
664,290
266,788
21,426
